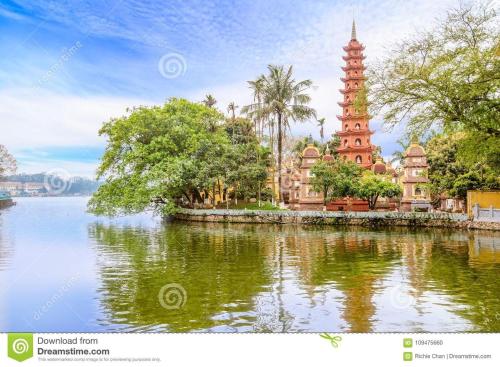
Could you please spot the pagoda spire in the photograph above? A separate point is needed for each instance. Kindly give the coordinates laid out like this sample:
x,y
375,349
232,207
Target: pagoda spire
x,y
353,31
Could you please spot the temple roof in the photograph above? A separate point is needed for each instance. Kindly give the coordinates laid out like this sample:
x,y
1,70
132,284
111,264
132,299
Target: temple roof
x,y
415,150
311,151
379,167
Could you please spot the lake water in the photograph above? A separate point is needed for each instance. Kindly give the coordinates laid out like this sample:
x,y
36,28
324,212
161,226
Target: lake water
x,y
62,269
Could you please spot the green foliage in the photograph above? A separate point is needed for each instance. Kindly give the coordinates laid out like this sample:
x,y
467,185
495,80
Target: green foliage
x,y
162,157
452,172
371,186
335,179
338,179
281,98
447,76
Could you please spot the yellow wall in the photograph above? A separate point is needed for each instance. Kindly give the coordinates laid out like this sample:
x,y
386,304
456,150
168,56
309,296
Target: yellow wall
x,y
485,199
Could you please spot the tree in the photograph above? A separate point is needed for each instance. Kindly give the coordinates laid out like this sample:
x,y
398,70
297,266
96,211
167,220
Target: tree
x,y
399,155
257,86
231,108
247,159
284,99
323,178
155,158
446,78
209,101
372,186
321,124
335,179
453,174
8,164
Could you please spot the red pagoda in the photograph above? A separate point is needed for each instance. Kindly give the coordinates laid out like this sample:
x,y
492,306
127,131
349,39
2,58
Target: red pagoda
x,y
355,135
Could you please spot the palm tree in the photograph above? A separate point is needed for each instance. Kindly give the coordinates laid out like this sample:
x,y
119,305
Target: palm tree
x,y
321,124
286,100
398,155
231,108
257,86
209,100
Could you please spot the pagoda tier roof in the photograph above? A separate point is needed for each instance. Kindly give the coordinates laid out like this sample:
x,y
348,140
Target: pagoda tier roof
x,y
353,57
349,78
413,179
344,104
351,47
354,132
359,148
349,90
354,117
416,165
353,67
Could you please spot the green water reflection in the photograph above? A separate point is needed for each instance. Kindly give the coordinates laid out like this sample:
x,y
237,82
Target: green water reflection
x,y
285,278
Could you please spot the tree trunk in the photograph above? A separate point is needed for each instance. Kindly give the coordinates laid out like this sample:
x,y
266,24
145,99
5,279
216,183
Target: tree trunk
x,y
213,192
220,190
280,148
273,163
258,194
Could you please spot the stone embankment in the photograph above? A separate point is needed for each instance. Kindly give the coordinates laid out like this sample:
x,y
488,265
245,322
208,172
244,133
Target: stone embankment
x,y
369,219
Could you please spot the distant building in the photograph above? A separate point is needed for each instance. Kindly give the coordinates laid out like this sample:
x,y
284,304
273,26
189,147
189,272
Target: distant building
x,y
416,196
15,188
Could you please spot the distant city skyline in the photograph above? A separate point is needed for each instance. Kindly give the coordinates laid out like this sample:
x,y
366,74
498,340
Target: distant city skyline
x,y
67,68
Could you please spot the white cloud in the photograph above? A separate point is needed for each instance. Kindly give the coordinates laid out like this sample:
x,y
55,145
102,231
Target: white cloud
x,y
33,118
37,119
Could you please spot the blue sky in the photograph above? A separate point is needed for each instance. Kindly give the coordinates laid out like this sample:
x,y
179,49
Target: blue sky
x,y
68,66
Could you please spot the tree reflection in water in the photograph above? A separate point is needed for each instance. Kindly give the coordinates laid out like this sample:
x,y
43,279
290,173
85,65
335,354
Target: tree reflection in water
x,y
262,278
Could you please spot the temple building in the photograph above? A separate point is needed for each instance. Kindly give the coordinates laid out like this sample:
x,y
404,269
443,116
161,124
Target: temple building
x,y
302,194
355,135
355,145
415,194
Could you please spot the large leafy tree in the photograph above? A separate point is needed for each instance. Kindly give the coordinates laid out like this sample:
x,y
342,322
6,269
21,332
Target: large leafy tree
x,y
335,179
8,164
451,172
446,78
157,156
246,161
284,100
371,187
324,178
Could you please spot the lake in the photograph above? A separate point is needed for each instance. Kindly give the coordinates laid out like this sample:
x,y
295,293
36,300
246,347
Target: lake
x,y
62,269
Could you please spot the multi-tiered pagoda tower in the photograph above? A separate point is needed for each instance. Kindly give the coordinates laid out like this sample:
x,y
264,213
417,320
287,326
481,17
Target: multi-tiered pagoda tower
x,y
355,135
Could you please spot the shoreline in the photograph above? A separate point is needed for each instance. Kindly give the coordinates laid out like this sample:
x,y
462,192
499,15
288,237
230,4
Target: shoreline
x,y
364,219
